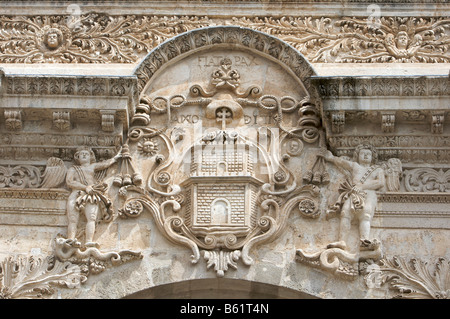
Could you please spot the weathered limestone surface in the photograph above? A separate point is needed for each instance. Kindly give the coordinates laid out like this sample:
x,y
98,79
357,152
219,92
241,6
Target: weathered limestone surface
x,y
282,149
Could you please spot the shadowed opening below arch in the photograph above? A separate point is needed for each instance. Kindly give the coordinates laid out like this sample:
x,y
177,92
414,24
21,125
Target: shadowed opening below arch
x,y
219,288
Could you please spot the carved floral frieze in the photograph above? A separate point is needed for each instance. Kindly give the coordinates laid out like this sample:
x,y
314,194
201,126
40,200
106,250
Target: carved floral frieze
x,y
99,38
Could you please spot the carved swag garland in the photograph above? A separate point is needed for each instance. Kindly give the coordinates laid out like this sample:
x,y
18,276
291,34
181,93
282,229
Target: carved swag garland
x,y
97,38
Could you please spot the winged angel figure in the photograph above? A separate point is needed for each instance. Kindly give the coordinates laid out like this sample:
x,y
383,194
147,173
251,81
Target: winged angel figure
x,y
88,191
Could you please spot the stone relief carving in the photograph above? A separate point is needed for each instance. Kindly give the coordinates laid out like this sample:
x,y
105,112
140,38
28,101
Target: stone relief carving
x,y
222,207
88,193
357,200
13,120
221,210
388,39
29,277
98,38
357,196
35,277
20,176
412,278
427,180
90,259
72,262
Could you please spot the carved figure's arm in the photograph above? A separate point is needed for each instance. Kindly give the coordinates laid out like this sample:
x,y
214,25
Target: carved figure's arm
x,y
107,163
339,162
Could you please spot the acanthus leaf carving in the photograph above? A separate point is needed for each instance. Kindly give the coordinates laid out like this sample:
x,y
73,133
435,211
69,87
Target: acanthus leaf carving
x,y
427,180
20,176
27,277
412,278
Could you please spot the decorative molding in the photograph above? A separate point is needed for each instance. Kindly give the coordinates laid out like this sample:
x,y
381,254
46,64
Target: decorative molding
x,y
33,193
415,197
223,35
61,121
412,278
430,149
387,122
98,38
337,121
426,86
437,122
69,85
108,118
427,180
13,120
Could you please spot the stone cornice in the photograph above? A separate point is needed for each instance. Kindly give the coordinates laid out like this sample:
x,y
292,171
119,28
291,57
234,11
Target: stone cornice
x,y
419,86
118,86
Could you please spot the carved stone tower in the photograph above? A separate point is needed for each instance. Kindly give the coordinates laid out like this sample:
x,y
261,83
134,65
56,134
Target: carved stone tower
x,y
222,186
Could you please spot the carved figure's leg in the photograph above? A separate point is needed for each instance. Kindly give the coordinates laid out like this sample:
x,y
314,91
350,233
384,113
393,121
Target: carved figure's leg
x,y
91,211
365,218
73,215
365,221
344,226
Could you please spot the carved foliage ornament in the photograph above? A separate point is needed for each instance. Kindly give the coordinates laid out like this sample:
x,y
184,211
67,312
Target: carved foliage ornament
x,y
413,278
36,276
96,38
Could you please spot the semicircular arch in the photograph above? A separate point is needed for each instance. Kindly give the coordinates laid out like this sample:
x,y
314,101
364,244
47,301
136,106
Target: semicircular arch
x,y
221,288
230,36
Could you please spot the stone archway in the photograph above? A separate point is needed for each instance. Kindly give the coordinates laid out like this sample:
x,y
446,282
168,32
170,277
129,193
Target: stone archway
x,y
219,288
227,36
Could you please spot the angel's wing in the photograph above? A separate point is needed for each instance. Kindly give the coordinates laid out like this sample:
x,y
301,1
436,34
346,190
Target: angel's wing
x,y
393,173
54,174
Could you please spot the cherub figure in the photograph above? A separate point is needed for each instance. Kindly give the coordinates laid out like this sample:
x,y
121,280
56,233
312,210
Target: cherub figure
x,y
87,193
400,46
358,198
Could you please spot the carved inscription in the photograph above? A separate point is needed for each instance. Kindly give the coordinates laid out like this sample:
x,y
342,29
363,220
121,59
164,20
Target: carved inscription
x,y
215,60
